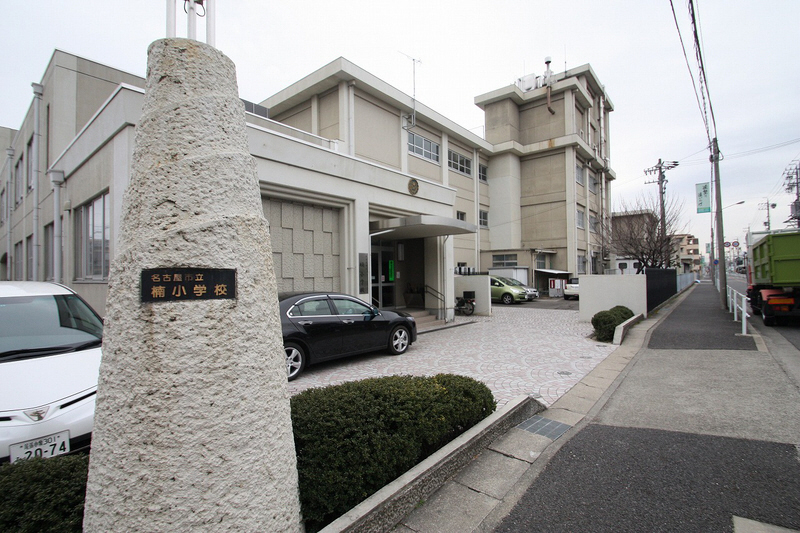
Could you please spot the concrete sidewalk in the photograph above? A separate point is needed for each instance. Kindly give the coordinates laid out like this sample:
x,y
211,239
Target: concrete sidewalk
x,y
687,426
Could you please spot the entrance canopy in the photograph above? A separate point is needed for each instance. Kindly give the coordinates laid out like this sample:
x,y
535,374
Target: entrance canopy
x,y
548,271
420,226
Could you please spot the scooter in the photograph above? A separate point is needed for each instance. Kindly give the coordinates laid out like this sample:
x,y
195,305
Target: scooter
x,y
465,306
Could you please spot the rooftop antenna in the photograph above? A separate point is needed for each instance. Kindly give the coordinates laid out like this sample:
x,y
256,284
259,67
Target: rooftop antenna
x,y
412,118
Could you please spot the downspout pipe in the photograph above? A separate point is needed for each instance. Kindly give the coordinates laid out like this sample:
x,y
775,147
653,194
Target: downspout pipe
x,y
56,179
35,166
7,207
548,79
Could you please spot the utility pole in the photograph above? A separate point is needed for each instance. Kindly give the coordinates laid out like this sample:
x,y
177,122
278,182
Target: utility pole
x,y
792,175
662,182
723,275
768,206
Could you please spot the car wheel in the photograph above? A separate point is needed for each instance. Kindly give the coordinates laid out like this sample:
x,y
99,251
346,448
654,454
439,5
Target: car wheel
x,y
295,359
768,320
507,299
398,340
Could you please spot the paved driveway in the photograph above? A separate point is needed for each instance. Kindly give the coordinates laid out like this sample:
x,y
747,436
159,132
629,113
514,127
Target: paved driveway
x,y
519,350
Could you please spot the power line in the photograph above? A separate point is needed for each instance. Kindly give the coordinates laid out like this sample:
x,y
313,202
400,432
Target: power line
x,y
689,68
703,76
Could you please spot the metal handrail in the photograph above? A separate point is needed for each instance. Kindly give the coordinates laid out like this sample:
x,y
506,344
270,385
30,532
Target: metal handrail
x,y
735,307
433,292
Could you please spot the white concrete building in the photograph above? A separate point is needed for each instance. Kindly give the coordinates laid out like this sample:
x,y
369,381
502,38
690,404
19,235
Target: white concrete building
x,y
366,191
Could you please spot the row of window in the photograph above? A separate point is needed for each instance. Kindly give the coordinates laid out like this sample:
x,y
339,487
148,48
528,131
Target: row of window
x,y
580,217
483,218
428,149
580,178
510,260
92,244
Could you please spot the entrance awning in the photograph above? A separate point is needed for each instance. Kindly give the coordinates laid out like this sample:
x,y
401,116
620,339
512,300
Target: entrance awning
x,y
548,271
419,226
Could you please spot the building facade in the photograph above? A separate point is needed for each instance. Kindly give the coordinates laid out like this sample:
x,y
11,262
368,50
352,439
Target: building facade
x,y
366,191
550,174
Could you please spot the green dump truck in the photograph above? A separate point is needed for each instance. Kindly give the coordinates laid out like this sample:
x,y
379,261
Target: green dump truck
x,y
773,274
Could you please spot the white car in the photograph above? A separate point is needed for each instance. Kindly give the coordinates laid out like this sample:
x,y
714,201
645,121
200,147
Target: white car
x,y
572,289
49,363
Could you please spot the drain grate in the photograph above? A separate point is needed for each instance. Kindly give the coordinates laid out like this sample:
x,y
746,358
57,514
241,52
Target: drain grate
x,y
539,425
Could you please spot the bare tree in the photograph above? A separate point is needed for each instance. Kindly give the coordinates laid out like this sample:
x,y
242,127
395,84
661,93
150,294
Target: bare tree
x,y
636,232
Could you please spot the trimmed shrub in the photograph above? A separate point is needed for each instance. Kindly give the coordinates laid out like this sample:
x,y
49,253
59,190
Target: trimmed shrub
x,y
605,322
42,495
622,311
350,439
354,438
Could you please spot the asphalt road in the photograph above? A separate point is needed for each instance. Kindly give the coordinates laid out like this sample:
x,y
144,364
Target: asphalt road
x,y
789,331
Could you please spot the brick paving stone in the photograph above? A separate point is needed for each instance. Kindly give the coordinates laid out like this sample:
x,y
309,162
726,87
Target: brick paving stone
x,y
516,351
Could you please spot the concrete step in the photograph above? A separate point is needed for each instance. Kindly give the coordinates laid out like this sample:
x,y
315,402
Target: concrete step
x,y
424,319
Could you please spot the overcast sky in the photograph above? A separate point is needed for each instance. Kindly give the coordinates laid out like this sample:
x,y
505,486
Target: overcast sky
x,y
469,47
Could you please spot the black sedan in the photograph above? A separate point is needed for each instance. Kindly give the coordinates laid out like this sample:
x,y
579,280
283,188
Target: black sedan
x,y
322,326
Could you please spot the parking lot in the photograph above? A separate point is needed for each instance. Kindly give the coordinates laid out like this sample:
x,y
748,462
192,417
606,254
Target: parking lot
x,y
537,348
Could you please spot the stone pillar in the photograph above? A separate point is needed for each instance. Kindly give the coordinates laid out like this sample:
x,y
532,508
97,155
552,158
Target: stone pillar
x,y
192,427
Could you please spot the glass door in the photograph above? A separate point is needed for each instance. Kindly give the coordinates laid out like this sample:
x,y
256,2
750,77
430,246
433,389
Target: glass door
x,y
383,276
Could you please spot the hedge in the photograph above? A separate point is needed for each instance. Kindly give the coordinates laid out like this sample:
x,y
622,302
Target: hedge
x,y
605,322
354,438
43,495
350,440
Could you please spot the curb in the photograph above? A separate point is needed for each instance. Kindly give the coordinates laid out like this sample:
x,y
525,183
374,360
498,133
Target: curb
x,y
384,509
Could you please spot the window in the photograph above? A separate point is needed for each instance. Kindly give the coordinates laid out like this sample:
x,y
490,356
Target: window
x,y
581,264
29,167
637,266
18,192
579,218
417,144
592,182
346,306
579,173
541,261
18,261
623,266
504,260
318,307
483,173
483,219
459,162
29,258
49,244
93,234
461,215
592,223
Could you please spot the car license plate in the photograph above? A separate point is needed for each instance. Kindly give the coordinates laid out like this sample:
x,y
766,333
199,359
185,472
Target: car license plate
x,y
49,446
